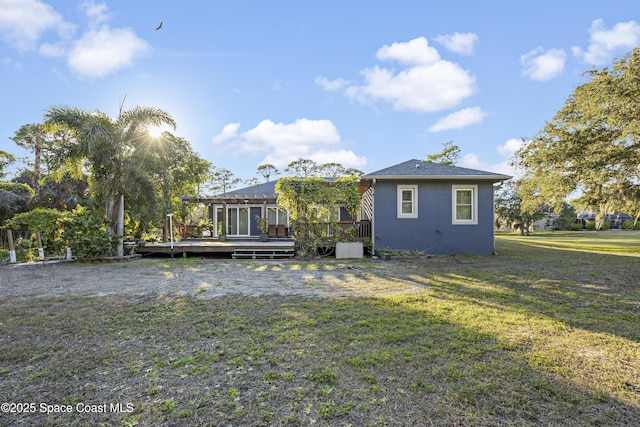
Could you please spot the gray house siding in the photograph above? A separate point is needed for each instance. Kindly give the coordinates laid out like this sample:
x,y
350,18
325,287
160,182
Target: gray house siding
x,y
433,230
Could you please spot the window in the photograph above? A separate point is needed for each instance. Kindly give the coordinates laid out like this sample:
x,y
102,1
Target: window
x,y
465,204
238,221
277,216
407,201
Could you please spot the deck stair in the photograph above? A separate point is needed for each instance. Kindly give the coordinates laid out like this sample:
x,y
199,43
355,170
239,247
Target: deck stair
x,y
255,253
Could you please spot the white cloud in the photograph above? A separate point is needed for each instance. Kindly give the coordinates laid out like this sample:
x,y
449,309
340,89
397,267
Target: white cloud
x,y
473,161
426,85
604,43
505,151
23,22
105,51
462,43
282,143
331,85
228,132
413,52
543,65
98,52
52,50
509,148
9,62
96,12
459,119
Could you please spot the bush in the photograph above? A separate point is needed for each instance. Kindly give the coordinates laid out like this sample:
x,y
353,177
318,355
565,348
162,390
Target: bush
x,y
86,233
591,225
47,221
83,230
629,225
606,225
575,226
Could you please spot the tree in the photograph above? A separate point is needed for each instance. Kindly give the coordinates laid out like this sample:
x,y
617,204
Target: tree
x,y
222,179
309,199
448,156
251,181
5,160
266,170
592,145
302,168
508,206
14,198
305,168
32,138
113,148
336,170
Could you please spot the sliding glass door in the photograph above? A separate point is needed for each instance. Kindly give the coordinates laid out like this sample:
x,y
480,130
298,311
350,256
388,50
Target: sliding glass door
x,y
238,221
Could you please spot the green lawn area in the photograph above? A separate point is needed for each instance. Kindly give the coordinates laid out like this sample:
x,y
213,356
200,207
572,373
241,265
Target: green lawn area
x,y
545,333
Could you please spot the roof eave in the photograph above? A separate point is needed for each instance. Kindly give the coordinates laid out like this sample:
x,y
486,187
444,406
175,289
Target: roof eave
x,y
439,177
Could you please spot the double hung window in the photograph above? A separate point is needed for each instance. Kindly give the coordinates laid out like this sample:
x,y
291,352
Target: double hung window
x,y
407,201
465,204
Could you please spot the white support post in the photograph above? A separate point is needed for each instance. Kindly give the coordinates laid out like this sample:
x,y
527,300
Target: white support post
x,y
171,230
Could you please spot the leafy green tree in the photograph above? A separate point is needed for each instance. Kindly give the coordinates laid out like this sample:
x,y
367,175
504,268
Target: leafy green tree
x,y
302,168
221,180
309,199
113,149
592,145
5,160
305,168
509,208
566,218
336,170
267,170
14,198
448,156
83,230
33,138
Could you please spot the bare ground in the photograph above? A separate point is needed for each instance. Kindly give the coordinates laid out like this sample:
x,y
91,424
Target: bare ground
x,y
204,279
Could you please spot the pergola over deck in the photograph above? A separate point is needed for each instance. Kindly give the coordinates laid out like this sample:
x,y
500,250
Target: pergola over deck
x,y
264,195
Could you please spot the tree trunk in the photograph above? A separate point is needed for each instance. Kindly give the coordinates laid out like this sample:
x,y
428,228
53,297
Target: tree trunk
x,y
108,214
120,224
37,154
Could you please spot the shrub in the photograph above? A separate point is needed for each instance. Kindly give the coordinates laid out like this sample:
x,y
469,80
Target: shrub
x,y
86,233
591,225
83,230
575,226
47,221
629,225
605,225
4,255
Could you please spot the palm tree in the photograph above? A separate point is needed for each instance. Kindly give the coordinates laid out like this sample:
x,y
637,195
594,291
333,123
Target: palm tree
x,y
113,149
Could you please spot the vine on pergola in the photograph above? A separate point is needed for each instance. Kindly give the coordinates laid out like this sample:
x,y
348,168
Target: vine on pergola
x,y
308,200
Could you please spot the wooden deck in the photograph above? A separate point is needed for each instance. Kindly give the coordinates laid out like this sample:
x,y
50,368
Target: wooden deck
x,y
279,248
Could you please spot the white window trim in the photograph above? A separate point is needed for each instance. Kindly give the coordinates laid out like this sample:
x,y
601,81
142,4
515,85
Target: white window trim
x,y
474,206
414,201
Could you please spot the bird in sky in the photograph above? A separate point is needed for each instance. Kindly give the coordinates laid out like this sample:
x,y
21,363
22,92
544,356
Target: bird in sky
x,y
159,26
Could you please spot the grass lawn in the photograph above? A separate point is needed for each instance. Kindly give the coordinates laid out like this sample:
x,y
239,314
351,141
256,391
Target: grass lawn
x,y
545,333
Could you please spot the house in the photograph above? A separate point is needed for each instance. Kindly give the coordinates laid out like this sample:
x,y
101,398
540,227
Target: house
x,y
431,208
234,213
415,205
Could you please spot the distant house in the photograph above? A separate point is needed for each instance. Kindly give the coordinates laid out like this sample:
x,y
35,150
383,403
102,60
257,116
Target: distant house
x,y
432,208
415,205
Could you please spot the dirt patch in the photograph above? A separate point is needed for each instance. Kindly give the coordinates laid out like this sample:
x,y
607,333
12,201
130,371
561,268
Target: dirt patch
x,y
204,279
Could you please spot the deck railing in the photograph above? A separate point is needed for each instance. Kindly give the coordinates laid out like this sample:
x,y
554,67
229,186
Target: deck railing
x,y
347,230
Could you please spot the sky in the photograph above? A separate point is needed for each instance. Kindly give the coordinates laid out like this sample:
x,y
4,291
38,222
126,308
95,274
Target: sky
x,y
365,84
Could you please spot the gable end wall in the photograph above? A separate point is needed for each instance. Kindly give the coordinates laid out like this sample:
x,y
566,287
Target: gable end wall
x,y
432,231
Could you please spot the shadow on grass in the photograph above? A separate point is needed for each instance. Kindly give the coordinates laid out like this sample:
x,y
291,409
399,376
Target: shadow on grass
x,y
431,358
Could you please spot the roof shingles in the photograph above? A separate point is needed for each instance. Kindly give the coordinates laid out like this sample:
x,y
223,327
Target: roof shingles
x,y
423,169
